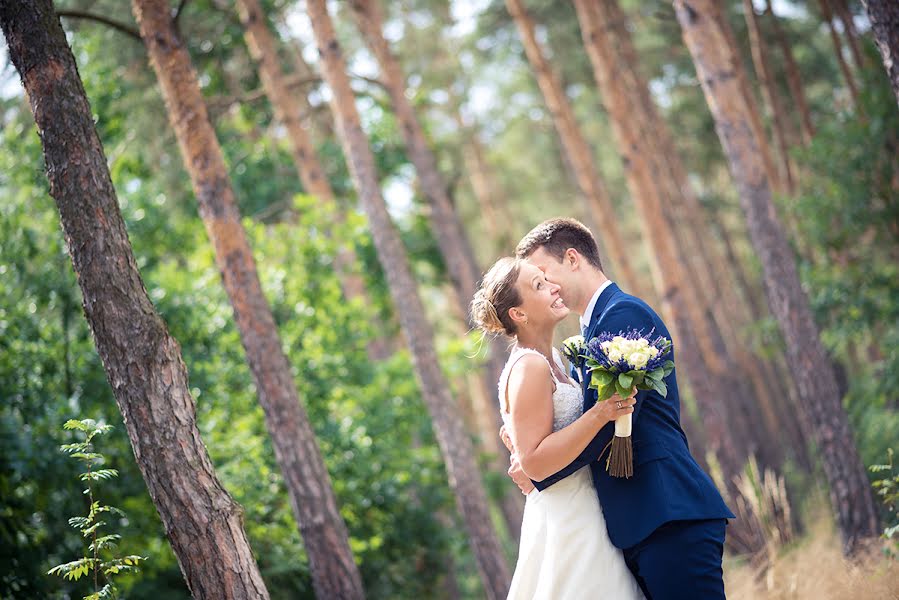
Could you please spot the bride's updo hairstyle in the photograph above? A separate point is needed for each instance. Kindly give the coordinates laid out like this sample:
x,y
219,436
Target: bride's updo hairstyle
x,y
497,294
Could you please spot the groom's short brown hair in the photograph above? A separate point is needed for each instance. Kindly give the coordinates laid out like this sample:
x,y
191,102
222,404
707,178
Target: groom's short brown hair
x,y
556,236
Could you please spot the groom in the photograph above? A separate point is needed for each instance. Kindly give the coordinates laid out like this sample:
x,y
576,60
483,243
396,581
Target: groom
x,y
669,518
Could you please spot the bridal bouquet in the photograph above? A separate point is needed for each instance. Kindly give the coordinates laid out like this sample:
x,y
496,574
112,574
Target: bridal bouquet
x,y
619,363
573,349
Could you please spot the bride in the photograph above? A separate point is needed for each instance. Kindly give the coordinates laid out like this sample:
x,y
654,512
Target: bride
x,y
565,551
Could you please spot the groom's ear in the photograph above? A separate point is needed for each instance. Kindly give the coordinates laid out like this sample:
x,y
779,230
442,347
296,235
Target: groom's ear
x,y
571,258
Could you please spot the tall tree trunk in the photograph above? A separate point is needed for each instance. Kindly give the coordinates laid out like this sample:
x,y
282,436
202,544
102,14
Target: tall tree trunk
x,y
577,152
841,8
764,70
449,430
142,361
794,79
289,110
684,312
850,493
827,15
447,228
334,572
884,16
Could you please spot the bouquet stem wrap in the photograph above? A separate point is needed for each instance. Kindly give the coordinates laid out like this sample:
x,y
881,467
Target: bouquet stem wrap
x,y
621,452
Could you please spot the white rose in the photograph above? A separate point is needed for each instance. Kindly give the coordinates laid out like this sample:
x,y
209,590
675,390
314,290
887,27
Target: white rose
x,y
638,359
643,343
614,355
653,351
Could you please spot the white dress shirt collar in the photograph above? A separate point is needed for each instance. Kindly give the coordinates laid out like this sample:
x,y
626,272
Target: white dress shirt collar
x,y
585,318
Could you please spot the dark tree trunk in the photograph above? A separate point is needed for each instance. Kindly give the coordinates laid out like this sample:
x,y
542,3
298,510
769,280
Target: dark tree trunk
x,y
850,493
334,572
884,15
142,361
794,79
449,429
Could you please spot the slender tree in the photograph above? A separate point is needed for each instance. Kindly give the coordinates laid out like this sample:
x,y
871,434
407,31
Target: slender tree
x,y
577,151
142,361
884,16
850,493
449,430
289,110
841,8
449,233
794,79
334,572
764,70
827,16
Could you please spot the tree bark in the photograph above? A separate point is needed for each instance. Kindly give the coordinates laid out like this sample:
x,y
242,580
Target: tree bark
x,y
850,493
334,572
827,15
445,224
142,361
884,16
765,72
289,110
449,430
841,7
794,79
578,153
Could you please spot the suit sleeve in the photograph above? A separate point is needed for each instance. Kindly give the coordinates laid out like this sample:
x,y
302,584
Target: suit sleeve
x,y
621,317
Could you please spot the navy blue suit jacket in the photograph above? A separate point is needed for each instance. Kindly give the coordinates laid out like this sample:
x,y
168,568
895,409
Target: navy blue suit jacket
x,y
668,484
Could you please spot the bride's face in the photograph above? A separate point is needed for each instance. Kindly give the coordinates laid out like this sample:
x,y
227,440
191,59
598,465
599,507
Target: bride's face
x,y
541,304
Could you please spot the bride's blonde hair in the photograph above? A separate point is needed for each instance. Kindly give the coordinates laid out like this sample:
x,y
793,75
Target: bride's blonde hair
x,y
497,294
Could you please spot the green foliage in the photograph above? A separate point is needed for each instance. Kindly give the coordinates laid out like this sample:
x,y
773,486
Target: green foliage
x,y
886,485
89,526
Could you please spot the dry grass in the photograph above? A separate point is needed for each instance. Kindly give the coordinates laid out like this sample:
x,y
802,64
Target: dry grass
x,y
814,569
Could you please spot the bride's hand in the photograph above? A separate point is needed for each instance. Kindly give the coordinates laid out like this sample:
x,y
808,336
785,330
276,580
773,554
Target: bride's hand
x,y
614,407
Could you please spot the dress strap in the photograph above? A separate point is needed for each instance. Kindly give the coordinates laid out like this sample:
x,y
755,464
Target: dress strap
x,y
517,353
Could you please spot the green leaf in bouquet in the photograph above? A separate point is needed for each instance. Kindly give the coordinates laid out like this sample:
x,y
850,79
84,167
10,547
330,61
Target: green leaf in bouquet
x,y
623,391
656,374
605,392
660,387
637,376
600,377
625,381
668,365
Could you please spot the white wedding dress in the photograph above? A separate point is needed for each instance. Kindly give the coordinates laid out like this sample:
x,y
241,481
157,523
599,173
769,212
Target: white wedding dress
x,y
565,552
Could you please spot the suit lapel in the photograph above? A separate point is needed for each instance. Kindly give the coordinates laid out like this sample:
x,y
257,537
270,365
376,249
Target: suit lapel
x,y
601,303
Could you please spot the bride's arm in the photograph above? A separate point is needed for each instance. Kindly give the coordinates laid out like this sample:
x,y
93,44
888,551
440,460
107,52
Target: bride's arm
x,y
541,451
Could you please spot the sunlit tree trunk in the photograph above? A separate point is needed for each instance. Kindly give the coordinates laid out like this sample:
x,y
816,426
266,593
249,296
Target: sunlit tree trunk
x,y
685,313
841,8
884,16
334,572
794,79
827,15
578,153
764,70
447,228
449,429
850,492
289,107
142,361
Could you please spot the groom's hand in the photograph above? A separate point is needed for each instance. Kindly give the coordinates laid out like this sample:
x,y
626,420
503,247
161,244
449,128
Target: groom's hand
x,y
523,482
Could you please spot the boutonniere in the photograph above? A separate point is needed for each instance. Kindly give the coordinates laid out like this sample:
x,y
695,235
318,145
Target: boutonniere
x,y
575,350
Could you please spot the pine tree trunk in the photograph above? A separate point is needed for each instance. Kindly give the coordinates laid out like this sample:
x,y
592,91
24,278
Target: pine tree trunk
x,y
289,112
142,361
827,15
578,153
841,7
884,16
449,430
794,79
764,70
447,228
850,492
684,312
334,572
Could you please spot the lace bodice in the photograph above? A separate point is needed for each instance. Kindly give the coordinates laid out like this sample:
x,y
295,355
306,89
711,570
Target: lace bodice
x,y
568,402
